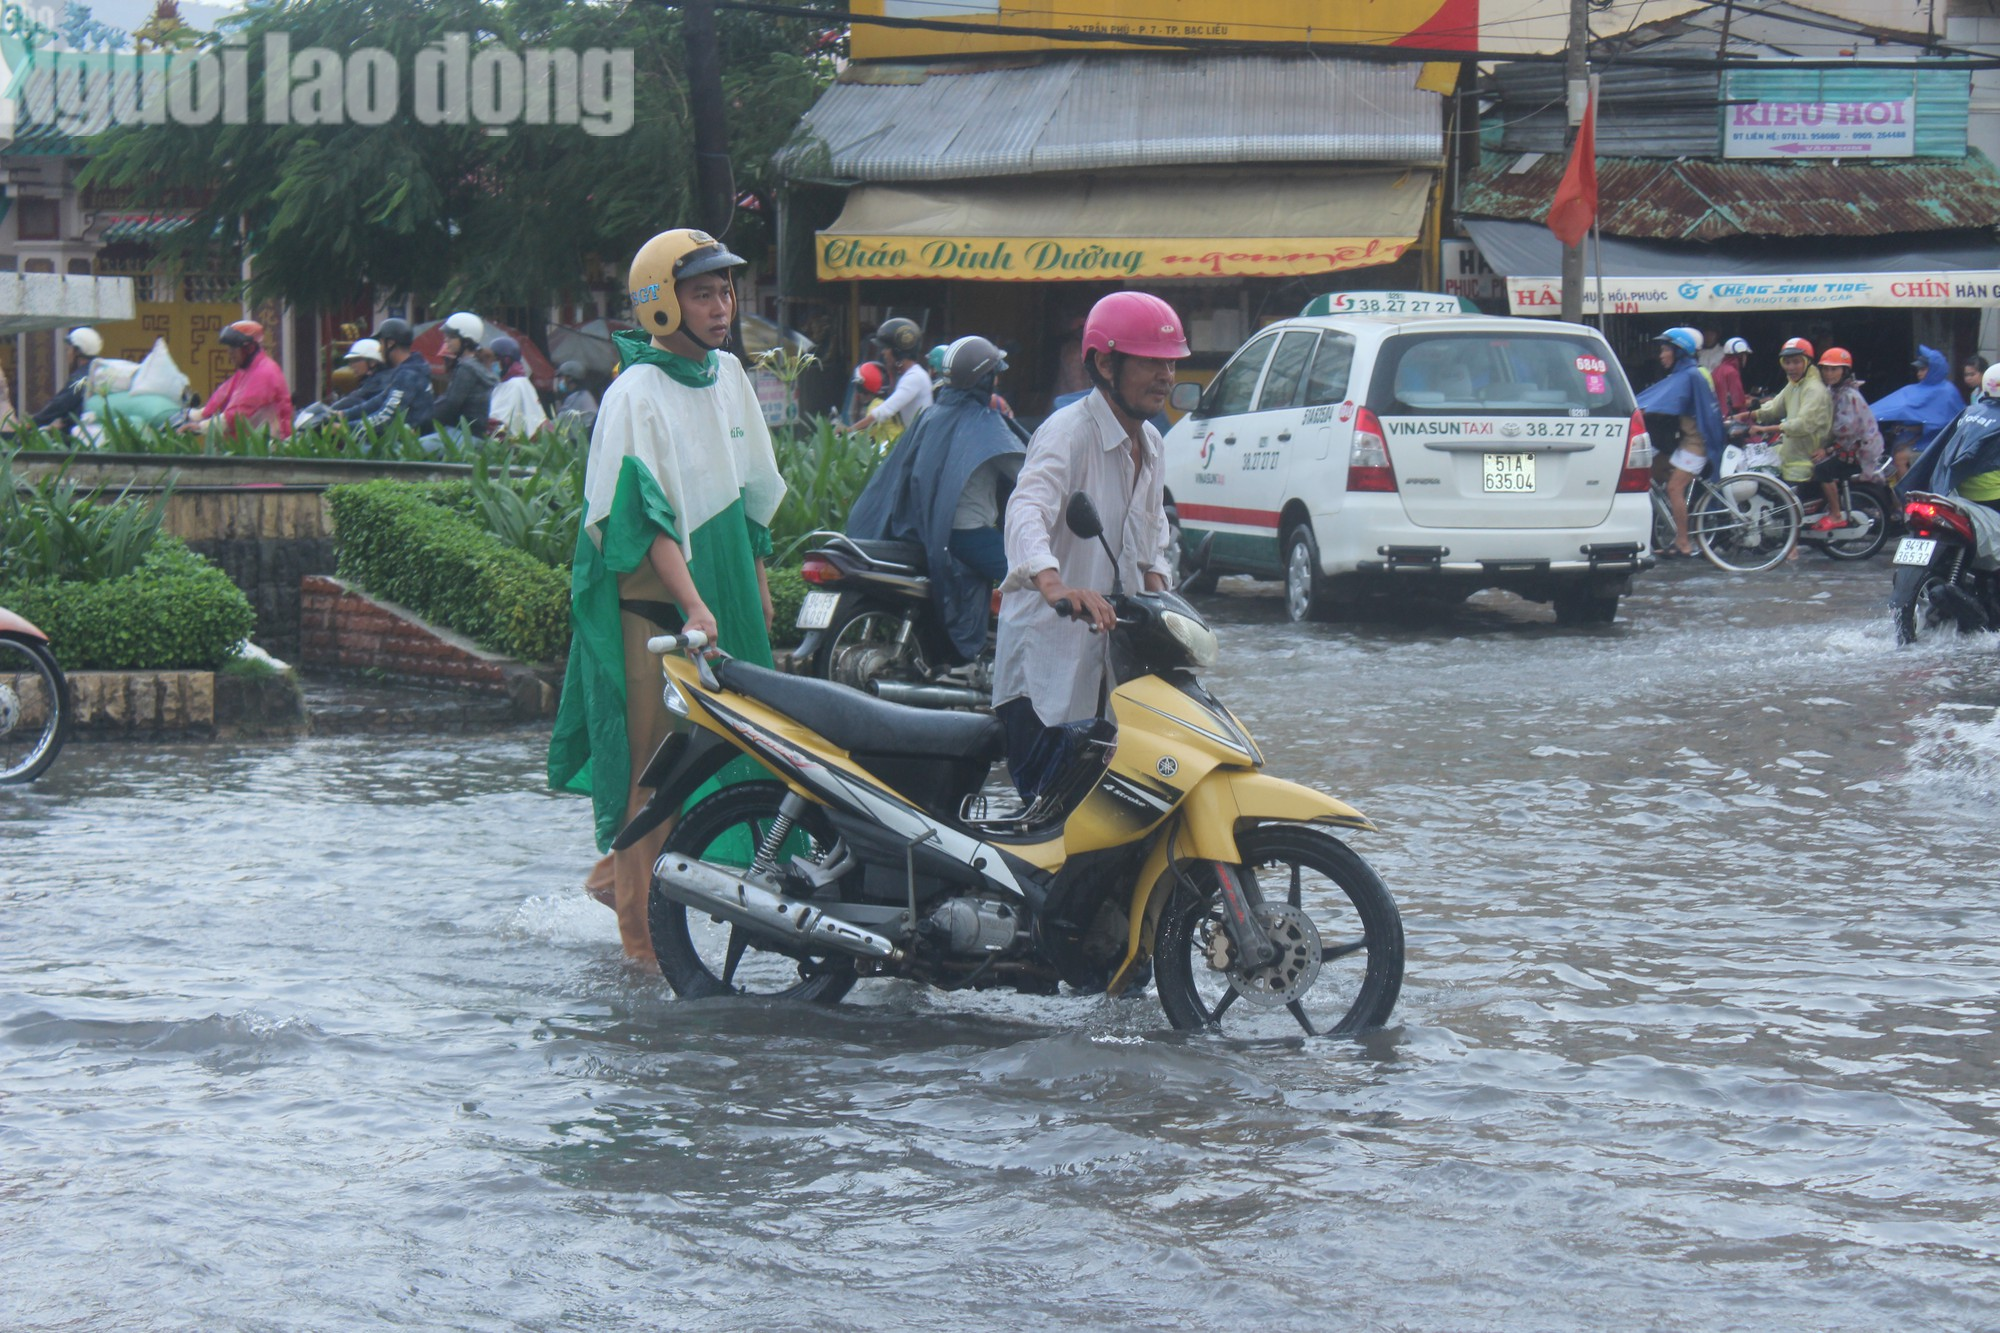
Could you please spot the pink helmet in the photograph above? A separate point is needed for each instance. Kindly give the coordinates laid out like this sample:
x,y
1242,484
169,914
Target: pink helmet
x,y
1136,323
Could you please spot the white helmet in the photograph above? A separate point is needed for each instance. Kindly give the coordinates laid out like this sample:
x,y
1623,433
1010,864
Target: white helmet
x,y
365,349
87,341
1989,383
467,326
1736,346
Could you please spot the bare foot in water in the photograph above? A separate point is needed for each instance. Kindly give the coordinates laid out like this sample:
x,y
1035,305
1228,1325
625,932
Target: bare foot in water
x,y
598,884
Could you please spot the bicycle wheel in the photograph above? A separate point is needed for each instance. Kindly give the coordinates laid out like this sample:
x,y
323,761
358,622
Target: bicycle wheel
x,y
34,709
1746,522
1664,531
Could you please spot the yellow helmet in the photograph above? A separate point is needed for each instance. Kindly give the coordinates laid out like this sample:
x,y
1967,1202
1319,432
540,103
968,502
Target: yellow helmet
x,y
671,257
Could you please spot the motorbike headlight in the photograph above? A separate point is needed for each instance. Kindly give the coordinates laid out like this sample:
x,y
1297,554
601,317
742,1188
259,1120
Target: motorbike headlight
x,y
1196,638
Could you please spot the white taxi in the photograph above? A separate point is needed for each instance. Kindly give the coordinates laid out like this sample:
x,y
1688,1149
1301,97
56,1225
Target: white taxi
x,y
1391,443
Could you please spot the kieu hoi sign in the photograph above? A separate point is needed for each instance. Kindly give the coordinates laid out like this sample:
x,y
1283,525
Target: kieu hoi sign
x,y
1803,130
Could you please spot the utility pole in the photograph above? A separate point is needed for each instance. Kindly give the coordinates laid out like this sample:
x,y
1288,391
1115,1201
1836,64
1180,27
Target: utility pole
x,y
1577,90
714,203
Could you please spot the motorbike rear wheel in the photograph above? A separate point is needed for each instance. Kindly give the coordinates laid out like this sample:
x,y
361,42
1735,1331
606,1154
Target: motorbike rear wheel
x,y
862,645
701,957
1865,505
35,711
1911,607
1348,953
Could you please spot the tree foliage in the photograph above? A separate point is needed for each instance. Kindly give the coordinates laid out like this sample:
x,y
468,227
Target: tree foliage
x,y
456,213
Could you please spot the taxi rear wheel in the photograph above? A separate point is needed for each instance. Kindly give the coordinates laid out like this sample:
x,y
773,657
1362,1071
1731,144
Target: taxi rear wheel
x,y
1306,594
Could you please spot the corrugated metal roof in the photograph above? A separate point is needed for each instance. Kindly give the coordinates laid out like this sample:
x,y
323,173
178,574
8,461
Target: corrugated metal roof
x,y
1708,201
142,226
1641,112
1086,113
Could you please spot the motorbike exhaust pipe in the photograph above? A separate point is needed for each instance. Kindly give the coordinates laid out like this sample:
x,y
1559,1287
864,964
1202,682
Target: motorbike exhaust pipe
x,y
929,696
718,893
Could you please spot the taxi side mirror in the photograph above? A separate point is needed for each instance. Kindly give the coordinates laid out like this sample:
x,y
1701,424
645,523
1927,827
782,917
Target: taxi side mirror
x,y
1186,397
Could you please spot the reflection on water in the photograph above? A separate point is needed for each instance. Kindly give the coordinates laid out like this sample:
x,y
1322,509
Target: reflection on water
x,y
1698,1032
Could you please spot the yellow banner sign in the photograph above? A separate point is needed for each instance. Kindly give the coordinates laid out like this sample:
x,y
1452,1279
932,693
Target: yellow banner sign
x,y
1453,25
1082,258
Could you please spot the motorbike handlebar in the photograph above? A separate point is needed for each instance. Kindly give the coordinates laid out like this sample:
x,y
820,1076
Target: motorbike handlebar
x,y
673,643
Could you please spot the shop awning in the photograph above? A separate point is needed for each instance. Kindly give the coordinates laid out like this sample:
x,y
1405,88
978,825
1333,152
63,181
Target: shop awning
x,y
1069,228
912,123
1774,274
142,226
32,302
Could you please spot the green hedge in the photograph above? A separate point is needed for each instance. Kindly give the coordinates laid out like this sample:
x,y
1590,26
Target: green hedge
x,y
175,612
787,591
403,543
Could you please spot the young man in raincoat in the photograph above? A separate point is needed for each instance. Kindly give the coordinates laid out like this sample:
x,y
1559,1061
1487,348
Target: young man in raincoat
x,y
679,491
1685,395
1802,411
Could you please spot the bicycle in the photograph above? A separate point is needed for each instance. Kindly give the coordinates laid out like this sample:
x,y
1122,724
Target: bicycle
x,y
34,701
1743,523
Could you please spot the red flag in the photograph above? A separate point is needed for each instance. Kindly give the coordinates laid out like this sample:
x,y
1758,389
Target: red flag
x,y
1575,203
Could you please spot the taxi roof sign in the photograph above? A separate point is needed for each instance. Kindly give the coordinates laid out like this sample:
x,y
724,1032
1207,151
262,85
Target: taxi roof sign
x,y
1389,303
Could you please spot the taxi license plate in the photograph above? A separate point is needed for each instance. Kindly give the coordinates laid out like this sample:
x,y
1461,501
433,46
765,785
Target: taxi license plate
x,y
1915,551
816,611
1510,472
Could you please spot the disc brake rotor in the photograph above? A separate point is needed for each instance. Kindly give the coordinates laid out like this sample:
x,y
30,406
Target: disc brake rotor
x,y
1286,977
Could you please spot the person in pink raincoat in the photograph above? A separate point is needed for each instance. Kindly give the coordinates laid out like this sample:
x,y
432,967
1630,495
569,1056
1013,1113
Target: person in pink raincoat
x,y
256,395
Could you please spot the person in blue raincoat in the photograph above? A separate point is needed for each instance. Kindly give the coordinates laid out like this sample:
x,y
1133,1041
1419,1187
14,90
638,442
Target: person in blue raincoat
x,y
945,487
1965,458
1926,408
1685,395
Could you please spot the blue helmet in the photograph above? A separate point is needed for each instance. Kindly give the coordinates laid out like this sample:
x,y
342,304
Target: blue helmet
x,y
1686,339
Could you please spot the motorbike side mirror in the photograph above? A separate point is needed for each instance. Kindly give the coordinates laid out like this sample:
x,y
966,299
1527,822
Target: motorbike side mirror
x,y
1186,397
1080,516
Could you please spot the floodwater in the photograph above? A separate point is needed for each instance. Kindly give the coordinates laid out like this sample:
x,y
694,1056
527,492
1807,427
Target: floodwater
x,y
1698,1032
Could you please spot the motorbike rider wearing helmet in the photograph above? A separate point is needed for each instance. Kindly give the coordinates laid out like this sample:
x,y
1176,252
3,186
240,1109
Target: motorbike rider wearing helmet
x,y
1802,411
1853,446
365,359
1728,377
256,394
679,491
515,406
405,387
64,410
945,486
1685,395
576,406
1964,460
902,344
468,389
1049,671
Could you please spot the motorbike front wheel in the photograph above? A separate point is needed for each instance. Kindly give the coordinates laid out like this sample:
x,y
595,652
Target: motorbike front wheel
x,y
1340,937
34,708
702,957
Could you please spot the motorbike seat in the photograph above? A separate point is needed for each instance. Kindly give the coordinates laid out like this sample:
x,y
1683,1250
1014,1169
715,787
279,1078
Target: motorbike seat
x,y
909,555
862,724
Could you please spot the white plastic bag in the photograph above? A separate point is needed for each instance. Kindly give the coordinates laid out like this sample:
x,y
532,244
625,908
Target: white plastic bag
x,y
159,375
110,375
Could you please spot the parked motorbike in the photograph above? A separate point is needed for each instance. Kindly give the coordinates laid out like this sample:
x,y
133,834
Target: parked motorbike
x,y
1941,576
871,623
1158,847
34,701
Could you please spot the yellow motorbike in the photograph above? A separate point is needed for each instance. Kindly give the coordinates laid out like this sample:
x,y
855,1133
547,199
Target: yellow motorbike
x,y
1158,847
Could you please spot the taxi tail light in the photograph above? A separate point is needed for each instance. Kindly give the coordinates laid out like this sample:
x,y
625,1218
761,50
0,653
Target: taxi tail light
x,y
1636,477
1926,519
818,569
1368,465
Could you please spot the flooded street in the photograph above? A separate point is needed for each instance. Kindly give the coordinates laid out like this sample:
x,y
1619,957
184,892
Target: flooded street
x,y
1698,1030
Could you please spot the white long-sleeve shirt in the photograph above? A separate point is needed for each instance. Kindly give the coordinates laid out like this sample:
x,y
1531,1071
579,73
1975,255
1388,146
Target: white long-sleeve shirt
x,y
1058,665
911,395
